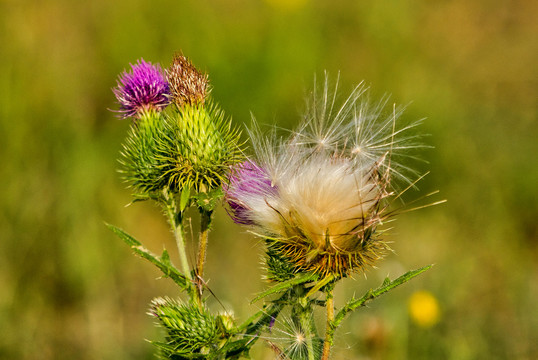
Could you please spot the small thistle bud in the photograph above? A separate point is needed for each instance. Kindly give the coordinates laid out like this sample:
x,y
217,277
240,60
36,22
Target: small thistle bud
x,y
319,196
226,323
142,90
187,84
190,329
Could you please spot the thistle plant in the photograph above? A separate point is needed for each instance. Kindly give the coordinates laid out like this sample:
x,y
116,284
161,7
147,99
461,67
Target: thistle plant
x,y
319,197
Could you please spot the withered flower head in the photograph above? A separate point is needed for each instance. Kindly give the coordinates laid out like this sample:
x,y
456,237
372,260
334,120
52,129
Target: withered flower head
x,y
187,84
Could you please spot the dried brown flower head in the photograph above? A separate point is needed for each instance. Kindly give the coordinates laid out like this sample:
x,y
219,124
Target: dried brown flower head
x,y
187,84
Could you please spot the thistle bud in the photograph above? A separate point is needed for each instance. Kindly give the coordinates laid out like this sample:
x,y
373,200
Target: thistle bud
x,y
202,148
190,329
142,166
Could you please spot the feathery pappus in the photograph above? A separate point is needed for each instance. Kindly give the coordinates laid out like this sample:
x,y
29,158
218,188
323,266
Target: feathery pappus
x,y
319,195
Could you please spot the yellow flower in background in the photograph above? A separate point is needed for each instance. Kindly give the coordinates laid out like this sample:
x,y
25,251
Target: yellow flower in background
x,y
424,309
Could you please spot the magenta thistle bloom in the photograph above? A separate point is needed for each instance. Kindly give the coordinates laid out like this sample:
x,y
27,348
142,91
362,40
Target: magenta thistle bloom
x,y
142,89
249,183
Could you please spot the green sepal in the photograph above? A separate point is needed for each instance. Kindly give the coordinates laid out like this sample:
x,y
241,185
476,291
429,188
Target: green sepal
x,y
372,294
184,198
326,280
285,285
208,201
278,267
141,166
163,263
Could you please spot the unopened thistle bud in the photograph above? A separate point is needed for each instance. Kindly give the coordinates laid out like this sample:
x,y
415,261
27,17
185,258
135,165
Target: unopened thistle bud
x,y
142,90
187,84
190,329
204,146
320,198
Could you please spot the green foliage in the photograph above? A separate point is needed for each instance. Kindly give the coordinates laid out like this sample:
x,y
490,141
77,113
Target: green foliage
x,y
163,263
208,201
372,294
285,285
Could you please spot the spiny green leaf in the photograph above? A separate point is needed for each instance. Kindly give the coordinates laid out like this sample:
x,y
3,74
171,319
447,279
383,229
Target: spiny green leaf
x,y
372,294
301,279
163,263
320,284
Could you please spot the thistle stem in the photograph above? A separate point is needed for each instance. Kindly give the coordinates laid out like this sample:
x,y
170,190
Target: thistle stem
x,y
310,344
206,217
175,219
304,313
178,234
329,329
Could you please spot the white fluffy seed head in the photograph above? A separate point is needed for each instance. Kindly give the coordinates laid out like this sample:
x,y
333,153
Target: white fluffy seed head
x,y
327,200
328,182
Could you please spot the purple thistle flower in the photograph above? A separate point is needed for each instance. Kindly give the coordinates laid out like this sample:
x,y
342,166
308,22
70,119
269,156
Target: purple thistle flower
x,y
249,185
142,89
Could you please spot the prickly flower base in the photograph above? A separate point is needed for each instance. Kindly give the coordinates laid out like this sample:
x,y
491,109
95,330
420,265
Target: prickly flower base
x,y
319,198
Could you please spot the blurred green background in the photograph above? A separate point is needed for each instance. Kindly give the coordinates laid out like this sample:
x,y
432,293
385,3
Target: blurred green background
x,y
69,289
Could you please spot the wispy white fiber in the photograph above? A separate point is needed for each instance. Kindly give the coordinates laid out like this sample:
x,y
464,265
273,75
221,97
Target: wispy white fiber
x,y
328,179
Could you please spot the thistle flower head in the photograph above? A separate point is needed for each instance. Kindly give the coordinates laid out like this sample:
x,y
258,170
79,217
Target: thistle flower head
x,y
142,89
329,182
187,84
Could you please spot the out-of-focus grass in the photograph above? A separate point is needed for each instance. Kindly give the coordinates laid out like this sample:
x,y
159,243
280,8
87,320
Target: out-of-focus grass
x,y
70,289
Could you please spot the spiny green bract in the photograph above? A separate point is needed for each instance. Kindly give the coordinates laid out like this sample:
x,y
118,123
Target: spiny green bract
x,y
139,157
201,147
190,329
278,267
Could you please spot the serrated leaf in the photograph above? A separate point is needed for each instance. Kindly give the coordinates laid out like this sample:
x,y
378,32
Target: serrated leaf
x,y
131,241
301,279
163,263
372,294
